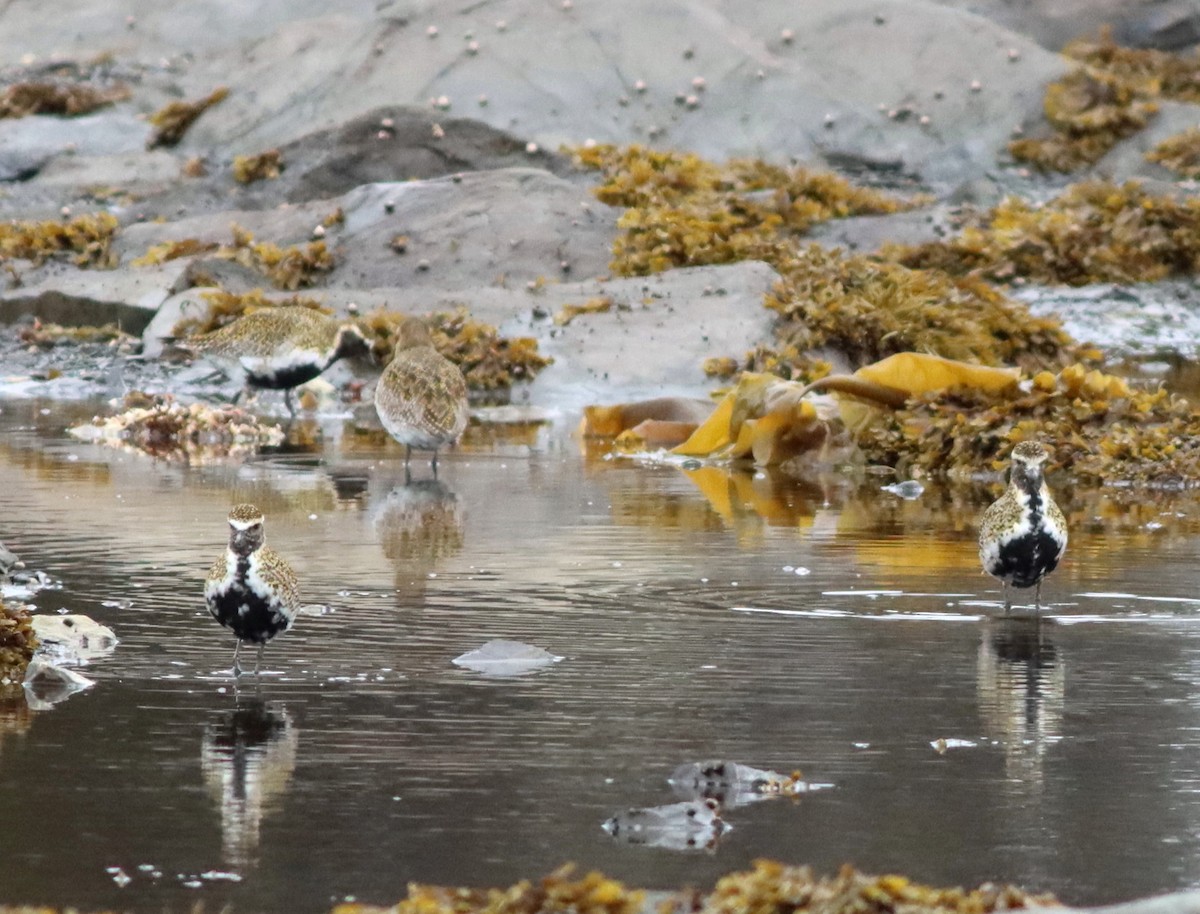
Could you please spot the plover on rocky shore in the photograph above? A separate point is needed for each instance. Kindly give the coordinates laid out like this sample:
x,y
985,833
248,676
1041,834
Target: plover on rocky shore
x,y
279,348
421,397
1023,534
250,589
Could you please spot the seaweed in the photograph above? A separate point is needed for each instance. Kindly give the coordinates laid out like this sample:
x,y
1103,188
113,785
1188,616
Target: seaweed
x,y
17,641
170,250
65,100
1180,153
1090,112
1101,426
87,237
288,268
172,121
263,166
1111,96
1095,231
47,336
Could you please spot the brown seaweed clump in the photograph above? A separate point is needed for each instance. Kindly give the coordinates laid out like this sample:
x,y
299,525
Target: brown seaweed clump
x,y
1089,112
261,167
171,250
1153,72
172,120
870,310
1109,98
66,100
226,307
47,336
685,211
773,888
1095,231
557,893
87,239
288,268
1180,153
17,641
1099,425
169,430
488,361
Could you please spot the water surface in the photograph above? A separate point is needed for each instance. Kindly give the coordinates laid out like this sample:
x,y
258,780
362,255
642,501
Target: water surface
x,y
822,625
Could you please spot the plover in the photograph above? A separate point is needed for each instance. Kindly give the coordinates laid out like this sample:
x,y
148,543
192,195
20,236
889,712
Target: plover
x,y
421,397
250,589
1023,534
280,348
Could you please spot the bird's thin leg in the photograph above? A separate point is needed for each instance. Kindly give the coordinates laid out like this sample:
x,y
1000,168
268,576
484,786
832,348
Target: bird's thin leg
x,y
407,456
287,400
1007,601
1037,597
258,662
237,669
433,463
237,397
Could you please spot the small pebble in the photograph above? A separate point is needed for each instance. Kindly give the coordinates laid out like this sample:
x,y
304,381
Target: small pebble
x,y
639,86
699,83
976,85
501,25
387,123
432,31
692,101
531,148
472,47
319,232
483,100
1014,54
788,36
923,120
422,265
438,131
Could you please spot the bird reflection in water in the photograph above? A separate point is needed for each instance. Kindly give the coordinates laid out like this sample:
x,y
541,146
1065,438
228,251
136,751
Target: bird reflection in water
x,y
1021,687
247,756
419,524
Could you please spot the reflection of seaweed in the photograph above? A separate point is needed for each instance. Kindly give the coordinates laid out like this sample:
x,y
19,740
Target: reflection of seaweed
x,y
247,757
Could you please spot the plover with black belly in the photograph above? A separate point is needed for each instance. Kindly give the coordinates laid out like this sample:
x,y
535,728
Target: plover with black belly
x,y
280,348
421,397
250,589
1023,534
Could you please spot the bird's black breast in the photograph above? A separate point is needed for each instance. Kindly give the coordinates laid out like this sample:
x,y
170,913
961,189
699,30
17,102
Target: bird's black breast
x,y
284,378
251,616
1025,560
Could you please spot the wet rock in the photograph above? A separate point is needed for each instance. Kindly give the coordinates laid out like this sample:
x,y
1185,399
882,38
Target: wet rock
x,y
28,144
1146,320
73,639
732,784
676,826
47,684
506,658
127,297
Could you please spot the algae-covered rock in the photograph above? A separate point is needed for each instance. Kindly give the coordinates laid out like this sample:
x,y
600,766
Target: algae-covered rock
x,y
18,641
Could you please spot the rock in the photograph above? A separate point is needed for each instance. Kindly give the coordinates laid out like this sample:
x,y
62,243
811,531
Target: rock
x,y
47,684
8,561
509,226
73,639
677,826
27,144
506,658
83,298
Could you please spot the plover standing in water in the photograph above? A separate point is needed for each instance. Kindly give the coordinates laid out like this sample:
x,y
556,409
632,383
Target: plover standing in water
x,y
250,589
1023,534
280,348
421,397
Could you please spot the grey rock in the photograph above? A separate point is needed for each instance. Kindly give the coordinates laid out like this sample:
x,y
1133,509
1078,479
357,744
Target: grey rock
x,y
128,297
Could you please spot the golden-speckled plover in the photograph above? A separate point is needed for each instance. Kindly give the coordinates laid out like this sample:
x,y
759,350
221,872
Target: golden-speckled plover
x,y
421,397
280,348
1023,534
250,589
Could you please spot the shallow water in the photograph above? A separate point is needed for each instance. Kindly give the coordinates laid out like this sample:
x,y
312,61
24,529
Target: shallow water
x,y
823,626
